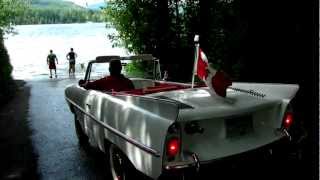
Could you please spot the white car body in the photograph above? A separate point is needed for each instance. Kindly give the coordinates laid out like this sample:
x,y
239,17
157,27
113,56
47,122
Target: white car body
x,y
140,125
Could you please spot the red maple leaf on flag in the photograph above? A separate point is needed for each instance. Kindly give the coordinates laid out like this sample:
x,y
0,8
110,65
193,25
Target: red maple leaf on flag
x,y
217,81
202,65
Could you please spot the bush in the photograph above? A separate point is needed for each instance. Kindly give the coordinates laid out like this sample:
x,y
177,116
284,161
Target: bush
x,y
7,84
142,69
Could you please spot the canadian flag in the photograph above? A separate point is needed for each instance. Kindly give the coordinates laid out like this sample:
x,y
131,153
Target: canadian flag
x,y
217,81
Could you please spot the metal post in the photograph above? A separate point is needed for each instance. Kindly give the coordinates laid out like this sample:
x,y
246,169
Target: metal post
x,y
196,42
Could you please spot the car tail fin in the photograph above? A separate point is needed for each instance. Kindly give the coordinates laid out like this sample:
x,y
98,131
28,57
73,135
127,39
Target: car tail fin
x,y
269,90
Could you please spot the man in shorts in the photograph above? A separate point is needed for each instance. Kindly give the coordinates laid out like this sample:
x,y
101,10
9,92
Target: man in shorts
x,y
51,58
71,56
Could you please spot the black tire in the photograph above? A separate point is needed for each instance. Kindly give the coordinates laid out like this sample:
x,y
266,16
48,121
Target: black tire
x,y
120,166
82,137
174,176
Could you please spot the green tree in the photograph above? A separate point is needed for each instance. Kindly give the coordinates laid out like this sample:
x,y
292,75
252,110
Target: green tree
x,y
150,27
56,11
166,29
9,9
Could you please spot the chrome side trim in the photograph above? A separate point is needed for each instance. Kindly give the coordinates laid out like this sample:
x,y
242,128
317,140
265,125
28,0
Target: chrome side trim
x,y
116,132
283,132
196,161
286,133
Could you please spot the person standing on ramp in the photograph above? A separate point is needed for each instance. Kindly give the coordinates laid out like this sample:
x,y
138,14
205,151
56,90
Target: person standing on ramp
x,y
51,58
71,56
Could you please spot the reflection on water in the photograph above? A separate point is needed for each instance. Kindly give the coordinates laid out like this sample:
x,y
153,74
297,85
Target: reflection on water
x,y
28,50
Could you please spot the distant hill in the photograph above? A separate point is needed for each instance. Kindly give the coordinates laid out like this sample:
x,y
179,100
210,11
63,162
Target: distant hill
x,y
97,6
57,12
54,4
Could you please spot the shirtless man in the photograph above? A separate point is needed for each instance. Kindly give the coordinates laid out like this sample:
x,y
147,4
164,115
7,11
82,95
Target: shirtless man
x,y
71,56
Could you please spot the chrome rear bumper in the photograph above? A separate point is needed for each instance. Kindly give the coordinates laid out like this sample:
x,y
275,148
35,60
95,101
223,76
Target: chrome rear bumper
x,y
182,165
195,164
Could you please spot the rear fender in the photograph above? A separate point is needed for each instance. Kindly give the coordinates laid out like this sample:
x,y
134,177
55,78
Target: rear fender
x,y
282,92
136,119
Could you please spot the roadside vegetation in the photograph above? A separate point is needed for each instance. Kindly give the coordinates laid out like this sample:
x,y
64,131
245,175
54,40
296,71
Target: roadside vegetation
x,y
166,29
9,9
18,159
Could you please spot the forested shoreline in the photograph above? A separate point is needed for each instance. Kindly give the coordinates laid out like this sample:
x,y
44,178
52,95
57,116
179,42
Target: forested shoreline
x,y
57,16
54,12
21,12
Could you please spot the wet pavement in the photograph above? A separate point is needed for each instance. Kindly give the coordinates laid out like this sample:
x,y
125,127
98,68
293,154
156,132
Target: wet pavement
x,y
54,138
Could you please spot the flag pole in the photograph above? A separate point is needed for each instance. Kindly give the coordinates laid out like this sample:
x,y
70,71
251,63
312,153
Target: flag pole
x,y
196,43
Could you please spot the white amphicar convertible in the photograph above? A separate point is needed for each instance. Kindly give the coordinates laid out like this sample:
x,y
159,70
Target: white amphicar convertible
x,y
163,126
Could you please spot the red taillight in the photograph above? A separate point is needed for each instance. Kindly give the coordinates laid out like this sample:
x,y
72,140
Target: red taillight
x,y
288,120
173,147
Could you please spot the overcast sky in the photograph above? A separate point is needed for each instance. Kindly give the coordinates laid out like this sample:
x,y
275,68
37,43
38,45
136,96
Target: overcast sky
x,y
83,2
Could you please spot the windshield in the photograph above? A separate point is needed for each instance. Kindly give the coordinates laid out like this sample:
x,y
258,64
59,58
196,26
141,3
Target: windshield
x,y
140,69
131,69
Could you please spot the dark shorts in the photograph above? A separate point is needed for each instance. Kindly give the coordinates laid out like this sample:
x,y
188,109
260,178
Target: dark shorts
x,y
72,62
52,66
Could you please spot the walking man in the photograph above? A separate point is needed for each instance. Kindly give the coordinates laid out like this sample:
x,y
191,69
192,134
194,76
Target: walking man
x,y
71,56
51,58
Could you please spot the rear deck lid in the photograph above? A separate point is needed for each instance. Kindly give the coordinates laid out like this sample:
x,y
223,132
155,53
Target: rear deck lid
x,y
202,105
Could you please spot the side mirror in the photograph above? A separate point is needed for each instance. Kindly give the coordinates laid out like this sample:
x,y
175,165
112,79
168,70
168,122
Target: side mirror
x,y
81,82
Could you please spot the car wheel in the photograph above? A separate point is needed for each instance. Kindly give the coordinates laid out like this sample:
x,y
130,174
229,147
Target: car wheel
x,y
119,165
174,176
82,137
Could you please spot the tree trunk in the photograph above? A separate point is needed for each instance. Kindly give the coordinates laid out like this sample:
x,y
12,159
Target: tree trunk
x,y
6,81
206,21
163,30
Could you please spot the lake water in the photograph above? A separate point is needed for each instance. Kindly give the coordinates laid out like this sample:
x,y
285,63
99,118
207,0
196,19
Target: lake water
x,y
28,49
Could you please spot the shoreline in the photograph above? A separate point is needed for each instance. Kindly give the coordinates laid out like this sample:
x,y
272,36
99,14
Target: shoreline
x,y
18,156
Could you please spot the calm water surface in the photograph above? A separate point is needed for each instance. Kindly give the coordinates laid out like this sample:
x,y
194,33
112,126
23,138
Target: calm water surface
x,y
29,48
